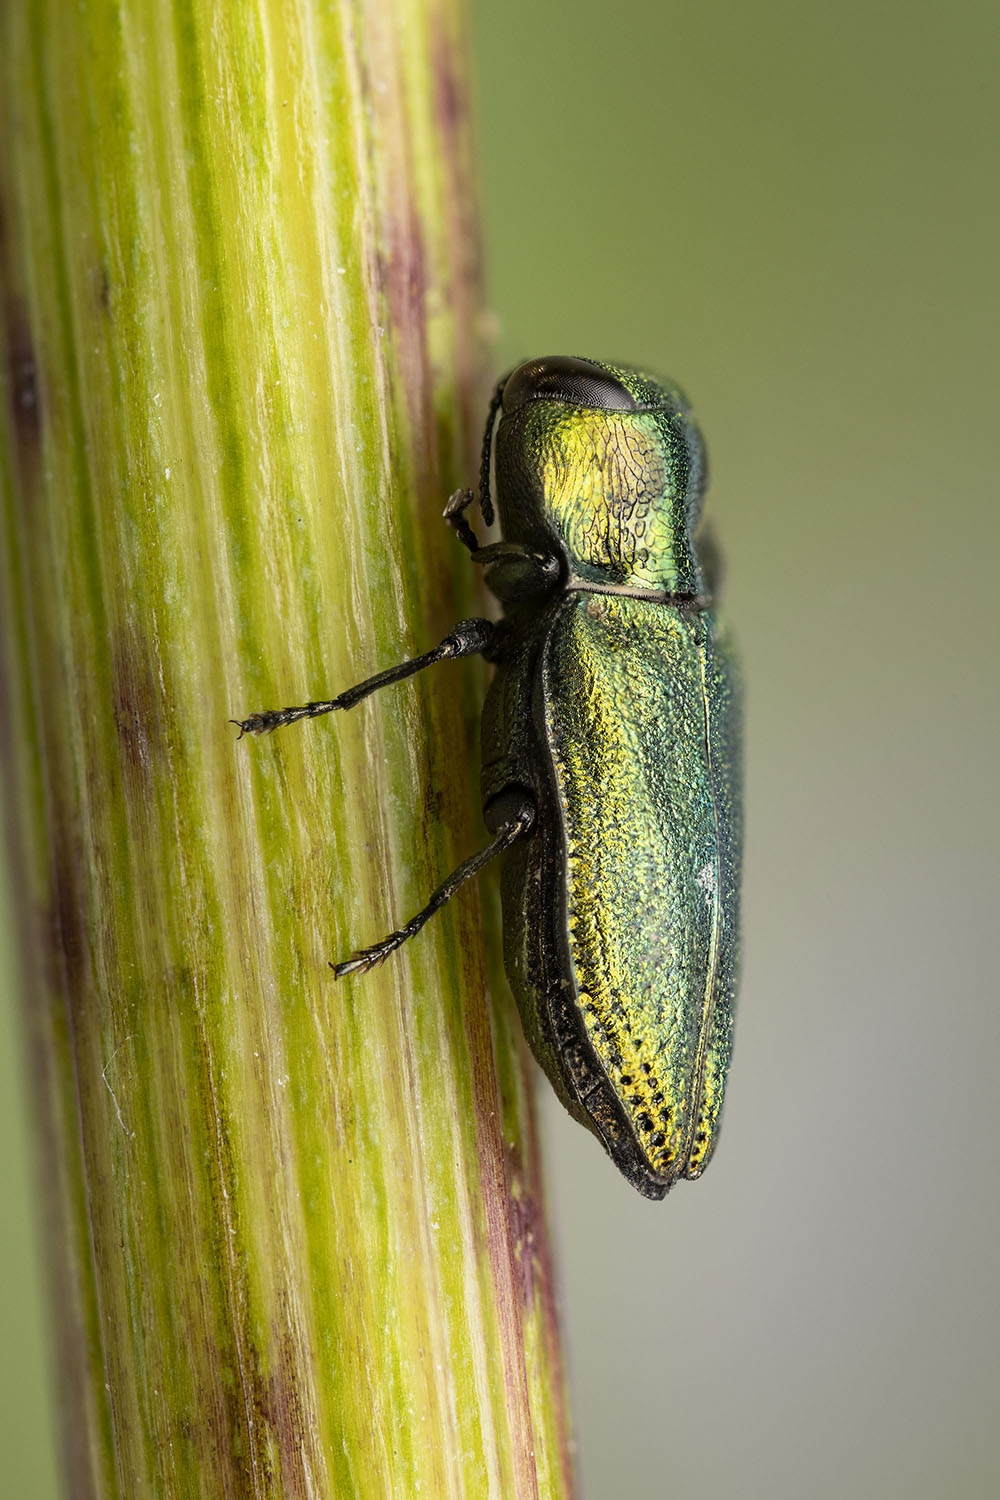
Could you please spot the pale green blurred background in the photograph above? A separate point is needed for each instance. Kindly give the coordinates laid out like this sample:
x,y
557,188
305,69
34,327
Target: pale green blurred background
x,y
792,209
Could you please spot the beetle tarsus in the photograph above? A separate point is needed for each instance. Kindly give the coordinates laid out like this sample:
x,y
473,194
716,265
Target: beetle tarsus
x,y
270,719
369,958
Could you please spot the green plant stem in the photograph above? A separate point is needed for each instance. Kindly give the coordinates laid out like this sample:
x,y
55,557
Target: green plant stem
x,y
295,1226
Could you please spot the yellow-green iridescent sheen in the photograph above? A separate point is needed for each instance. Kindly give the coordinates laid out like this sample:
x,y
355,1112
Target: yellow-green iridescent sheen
x,y
642,716
613,487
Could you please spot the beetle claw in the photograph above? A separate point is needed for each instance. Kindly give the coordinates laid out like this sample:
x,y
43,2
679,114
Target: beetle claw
x,y
365,959
255,724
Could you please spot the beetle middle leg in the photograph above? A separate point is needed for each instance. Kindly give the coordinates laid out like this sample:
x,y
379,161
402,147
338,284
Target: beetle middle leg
x,y
518,814
468,638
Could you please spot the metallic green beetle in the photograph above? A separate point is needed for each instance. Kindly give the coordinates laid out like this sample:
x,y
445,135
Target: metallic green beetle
x,y
611,756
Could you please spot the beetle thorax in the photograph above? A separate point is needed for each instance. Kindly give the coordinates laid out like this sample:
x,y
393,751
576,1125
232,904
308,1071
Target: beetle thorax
x,y
612,489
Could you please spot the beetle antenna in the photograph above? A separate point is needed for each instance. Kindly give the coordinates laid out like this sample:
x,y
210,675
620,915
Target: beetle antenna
x,y
485,502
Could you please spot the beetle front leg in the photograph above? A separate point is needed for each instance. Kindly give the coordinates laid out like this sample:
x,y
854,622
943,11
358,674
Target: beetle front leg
x,y
469,638
519,816
454,514
512,570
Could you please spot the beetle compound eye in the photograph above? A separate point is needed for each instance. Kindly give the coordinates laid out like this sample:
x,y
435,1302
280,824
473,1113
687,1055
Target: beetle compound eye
x,y
578,382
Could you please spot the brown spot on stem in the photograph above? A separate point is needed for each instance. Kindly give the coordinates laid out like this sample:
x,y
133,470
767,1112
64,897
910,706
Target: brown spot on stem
x,y
21,377
283,1412
525,1223
449,93
102,287
406,292
139,716
23,381
69,923
67,953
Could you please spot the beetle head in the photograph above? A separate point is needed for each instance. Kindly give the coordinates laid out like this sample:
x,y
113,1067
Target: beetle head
x,y
603,462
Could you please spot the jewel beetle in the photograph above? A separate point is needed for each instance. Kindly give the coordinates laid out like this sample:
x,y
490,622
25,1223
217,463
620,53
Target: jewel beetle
x,y
611,742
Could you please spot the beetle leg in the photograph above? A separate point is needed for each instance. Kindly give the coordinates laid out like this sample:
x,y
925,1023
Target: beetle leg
x,y
512,570
468,638
369,958
453,513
